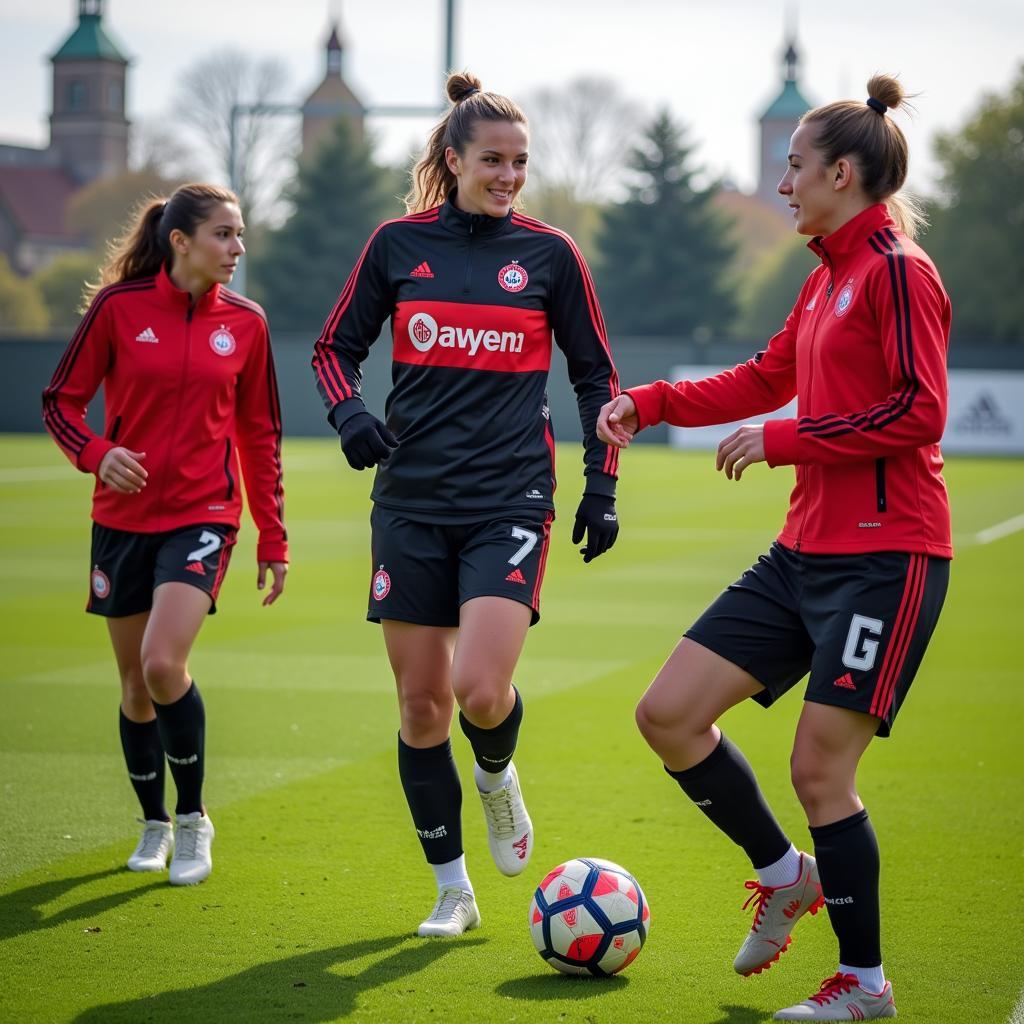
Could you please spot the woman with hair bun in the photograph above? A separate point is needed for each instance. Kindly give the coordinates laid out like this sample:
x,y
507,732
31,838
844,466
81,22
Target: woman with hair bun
x,y
463,494
852,588
189,393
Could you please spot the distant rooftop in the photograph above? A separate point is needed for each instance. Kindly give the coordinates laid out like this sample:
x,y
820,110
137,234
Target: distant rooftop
x,y
90,40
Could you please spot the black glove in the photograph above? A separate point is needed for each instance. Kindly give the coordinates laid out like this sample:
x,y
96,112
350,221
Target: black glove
x,y
597,519
366,441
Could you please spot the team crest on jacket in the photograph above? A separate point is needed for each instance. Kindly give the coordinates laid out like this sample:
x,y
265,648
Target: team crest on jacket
x,y
381,584
100,584
222,341
513,277
844,299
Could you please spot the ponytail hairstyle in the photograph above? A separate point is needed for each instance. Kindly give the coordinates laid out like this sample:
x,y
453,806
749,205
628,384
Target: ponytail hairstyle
x,y
145,245
432,181
862,132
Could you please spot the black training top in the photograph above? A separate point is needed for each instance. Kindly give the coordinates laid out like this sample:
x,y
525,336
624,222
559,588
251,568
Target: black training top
x,y
473,302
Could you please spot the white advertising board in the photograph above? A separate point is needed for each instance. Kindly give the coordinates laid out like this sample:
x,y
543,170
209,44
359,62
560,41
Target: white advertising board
x,y
986,413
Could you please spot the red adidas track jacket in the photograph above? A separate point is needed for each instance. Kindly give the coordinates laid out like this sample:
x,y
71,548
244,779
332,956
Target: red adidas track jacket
x,y
864,351
193,389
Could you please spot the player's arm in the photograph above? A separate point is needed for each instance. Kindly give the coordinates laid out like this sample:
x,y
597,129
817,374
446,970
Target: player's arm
x,y
913,315
258,419
581,335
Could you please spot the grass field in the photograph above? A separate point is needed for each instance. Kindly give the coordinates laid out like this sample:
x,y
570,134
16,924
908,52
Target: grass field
x,y
319,881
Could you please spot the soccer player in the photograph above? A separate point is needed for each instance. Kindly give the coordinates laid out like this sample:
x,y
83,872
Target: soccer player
x,y
462,500
189,391
852,588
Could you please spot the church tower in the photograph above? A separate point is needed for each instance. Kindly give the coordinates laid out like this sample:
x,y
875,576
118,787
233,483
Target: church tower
x,y
331,100
778,123
88,126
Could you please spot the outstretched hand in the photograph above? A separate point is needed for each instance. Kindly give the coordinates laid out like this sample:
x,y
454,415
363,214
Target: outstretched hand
x,y
618,422
740,449
366,441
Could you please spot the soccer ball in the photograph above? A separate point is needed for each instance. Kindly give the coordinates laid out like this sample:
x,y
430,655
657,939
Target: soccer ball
x,y
589,916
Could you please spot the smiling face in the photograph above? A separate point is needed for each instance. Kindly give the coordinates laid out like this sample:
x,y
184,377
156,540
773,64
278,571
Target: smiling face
x,y
211,255
492,170
809,186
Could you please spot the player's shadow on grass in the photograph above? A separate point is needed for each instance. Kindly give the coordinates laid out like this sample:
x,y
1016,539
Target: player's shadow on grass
x,y
561,986
21,911
311,987
742,1015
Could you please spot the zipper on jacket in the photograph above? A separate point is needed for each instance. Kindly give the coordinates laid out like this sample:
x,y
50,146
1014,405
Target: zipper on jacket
x,y
467,280
181,397
115,429
227,467
880,484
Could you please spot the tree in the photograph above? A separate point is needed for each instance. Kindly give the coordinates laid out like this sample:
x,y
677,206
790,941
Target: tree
x,y
209,90
21,306
338,197
977,235
61,285
664,252
580,136
772,288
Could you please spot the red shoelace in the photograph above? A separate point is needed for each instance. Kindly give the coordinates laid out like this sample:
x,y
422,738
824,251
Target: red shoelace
x,y
759,897
832,988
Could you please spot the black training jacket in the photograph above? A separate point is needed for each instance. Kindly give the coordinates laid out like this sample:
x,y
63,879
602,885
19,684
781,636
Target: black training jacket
x,y
473,302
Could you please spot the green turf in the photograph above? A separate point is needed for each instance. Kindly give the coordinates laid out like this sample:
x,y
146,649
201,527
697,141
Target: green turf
x,y
319,881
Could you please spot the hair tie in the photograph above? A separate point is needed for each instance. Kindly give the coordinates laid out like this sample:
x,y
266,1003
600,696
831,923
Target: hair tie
x,y
470,93
876,104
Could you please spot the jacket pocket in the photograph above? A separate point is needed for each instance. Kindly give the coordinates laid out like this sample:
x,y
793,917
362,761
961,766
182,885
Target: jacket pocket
x,y
115,429
880,485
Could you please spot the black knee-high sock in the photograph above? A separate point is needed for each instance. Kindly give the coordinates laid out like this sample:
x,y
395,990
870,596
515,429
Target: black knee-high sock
x,y
434,794
144,758
183,733
493,748
724,788
848,865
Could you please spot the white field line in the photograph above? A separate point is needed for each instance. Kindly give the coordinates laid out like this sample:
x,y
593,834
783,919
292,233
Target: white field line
x,y
997,532
1017,1013
33,474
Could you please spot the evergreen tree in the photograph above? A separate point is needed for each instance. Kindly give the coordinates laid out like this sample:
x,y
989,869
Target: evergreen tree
x,y
339,196
664,252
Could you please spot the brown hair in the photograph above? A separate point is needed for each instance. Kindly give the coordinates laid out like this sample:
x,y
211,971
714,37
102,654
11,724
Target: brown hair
x,y
876,144
431,178
145,245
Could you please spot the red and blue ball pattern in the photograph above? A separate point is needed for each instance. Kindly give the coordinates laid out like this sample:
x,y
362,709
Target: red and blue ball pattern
x,y
589,916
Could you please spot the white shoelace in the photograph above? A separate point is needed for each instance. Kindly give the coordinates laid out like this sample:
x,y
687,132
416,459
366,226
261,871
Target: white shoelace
x,y
498,806
448,904
152,837
187,838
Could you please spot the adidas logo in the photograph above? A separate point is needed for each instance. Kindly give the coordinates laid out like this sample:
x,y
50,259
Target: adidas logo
x,y
147,335
423,270
845,682
196,567
515,576
984,416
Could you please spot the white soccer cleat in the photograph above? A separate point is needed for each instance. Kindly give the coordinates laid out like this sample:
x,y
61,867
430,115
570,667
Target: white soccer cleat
x,y
776,910
509,829
154,847
841,998
192,860
454,912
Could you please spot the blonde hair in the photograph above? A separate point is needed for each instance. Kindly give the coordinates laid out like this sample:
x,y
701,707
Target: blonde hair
x,y
876,144
432,181
145,246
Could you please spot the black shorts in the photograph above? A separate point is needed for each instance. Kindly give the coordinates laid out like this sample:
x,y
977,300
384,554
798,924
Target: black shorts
x,y
127,566
424,572
860,624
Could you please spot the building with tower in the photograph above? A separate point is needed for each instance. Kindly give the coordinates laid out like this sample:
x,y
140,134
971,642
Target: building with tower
x,y
331,100
88,142
778,123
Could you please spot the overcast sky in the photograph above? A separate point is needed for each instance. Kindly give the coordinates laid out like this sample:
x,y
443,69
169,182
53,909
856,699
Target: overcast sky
x,y
716,65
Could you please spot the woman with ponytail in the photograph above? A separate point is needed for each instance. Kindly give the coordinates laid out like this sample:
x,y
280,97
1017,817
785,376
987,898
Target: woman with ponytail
x,y
852,588
463,495
189,394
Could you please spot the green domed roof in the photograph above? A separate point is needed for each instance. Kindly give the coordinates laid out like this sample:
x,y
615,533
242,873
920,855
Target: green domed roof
x,y
788,106
89,42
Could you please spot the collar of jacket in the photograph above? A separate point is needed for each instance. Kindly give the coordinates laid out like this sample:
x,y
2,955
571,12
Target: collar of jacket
x,y
477,224
852,234
175,298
